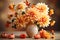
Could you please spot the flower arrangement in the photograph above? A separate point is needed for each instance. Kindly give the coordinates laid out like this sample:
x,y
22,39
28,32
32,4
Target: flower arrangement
x,y
26,13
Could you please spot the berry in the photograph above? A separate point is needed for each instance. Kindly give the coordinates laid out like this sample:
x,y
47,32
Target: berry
x,y
11,36
4,35
22,36
37,36
44,34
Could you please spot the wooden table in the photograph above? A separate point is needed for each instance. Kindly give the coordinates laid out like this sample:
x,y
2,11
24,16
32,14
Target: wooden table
x,y
17,33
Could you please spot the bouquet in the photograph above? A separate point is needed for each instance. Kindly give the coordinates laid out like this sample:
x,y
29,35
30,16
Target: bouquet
x,y
25,13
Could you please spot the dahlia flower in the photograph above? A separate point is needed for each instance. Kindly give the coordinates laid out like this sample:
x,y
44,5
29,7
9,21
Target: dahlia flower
x,y
44,20
33,12
42,7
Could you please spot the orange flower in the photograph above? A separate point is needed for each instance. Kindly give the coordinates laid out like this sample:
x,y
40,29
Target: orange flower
x,y
52,23
11,7
51,12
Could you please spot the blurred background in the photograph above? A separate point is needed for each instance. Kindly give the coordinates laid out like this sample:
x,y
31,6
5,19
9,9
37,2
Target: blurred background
x,y
52,4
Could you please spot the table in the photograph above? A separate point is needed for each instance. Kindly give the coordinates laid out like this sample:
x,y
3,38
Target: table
x,y
19,32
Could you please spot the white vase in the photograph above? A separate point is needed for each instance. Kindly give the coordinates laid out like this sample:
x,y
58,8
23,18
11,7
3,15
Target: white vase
x,y
32,30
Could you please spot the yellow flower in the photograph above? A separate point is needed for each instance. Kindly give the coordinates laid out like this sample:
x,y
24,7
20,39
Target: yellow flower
x,y
42,7
44,20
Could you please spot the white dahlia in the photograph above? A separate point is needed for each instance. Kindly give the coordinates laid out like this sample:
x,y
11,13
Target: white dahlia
x,y
42,7
44,20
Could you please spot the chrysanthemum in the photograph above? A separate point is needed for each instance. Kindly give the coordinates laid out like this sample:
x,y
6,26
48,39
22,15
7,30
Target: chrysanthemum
x,y
42,7
22,6
44,20
20,21
33,12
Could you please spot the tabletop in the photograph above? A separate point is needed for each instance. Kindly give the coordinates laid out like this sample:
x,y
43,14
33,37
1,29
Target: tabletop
x,y
17,33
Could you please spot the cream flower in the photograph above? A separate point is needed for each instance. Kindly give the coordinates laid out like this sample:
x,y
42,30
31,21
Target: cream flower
x,y
44,20
22,6
42,7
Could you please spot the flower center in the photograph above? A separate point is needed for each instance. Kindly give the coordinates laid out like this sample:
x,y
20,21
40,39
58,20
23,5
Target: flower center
x,y
43,20
32,14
